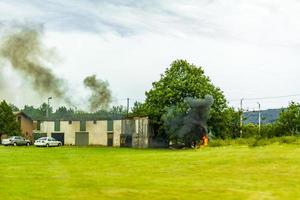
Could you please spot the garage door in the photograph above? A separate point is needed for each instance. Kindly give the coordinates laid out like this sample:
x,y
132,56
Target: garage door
x,y
82,139
59,137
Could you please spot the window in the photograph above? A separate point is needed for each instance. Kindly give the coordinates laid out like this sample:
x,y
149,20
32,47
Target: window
x,y
57,125
82,125
95,122
70,122
19,120
110,126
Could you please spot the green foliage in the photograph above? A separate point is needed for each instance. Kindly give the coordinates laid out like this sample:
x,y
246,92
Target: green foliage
x,y
250,130
289,119
8,123
63,112
255,141
13,107
139,109
34,113
229,124
120,110
173,121
179,81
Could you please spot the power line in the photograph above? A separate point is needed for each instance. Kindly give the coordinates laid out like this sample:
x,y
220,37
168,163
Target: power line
x,y
262,98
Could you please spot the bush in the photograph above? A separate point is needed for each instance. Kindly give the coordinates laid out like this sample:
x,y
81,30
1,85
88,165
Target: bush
x,y
259,142
288,140
255,142
218,143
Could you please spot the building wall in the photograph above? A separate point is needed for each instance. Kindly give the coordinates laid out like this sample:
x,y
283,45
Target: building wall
x,y
140,138
98,133
69,131
117,132
26,126
47,127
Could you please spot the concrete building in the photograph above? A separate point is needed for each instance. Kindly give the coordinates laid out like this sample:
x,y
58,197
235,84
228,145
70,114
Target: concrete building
x,y
131,132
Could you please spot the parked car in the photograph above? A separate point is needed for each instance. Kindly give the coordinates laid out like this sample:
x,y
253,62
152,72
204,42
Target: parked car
x,y
47,142
15,141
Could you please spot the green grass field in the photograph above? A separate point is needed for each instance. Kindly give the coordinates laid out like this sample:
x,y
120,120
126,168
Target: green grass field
x,y
232,172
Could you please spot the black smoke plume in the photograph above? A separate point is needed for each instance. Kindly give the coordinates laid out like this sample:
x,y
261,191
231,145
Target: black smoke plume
x,y
101,95
187,122
23,48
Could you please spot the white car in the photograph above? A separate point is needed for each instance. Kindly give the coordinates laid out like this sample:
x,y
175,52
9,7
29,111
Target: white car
x,y
47,142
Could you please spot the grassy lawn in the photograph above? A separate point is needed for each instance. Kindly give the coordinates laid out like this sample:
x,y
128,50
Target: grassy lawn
x,y
233,172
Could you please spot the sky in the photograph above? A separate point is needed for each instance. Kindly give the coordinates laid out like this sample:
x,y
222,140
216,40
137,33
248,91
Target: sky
x,y
249,49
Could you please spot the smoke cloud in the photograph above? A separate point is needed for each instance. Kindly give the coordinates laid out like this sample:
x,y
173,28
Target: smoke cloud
x,y
22,46
188,122
101,95
24,50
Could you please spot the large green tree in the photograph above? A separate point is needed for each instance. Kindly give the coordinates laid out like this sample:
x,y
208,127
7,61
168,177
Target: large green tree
x,y
179,81
8,123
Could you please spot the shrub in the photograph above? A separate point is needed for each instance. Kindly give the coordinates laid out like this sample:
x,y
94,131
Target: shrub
x,y
259,142
218,143
255,142
288,140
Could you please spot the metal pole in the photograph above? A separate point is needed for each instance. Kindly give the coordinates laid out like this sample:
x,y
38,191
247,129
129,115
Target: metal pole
x,y
259,118
48,107
297,119
127,106
241,118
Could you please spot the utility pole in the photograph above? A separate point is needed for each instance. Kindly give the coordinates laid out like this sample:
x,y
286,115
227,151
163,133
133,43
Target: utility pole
x,y
241,118
48,107
259,118
297,119
127,106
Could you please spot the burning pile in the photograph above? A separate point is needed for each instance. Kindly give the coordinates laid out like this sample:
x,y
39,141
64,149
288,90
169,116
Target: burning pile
x,y
187,122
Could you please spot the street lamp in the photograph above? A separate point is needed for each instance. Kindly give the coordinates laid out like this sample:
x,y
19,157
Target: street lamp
x,y
48,106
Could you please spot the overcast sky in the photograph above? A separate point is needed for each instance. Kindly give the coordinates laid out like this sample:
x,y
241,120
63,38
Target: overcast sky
x,y
248,48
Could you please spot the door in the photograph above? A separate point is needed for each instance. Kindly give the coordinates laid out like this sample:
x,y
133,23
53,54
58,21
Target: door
x,y
59,136
125,140
110,139
19,140
82,138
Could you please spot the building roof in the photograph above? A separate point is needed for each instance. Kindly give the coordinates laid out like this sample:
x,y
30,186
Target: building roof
x,y
23,114
81,118
91,118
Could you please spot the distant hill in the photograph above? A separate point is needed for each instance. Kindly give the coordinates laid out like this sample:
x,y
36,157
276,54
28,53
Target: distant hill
x,y
268,116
